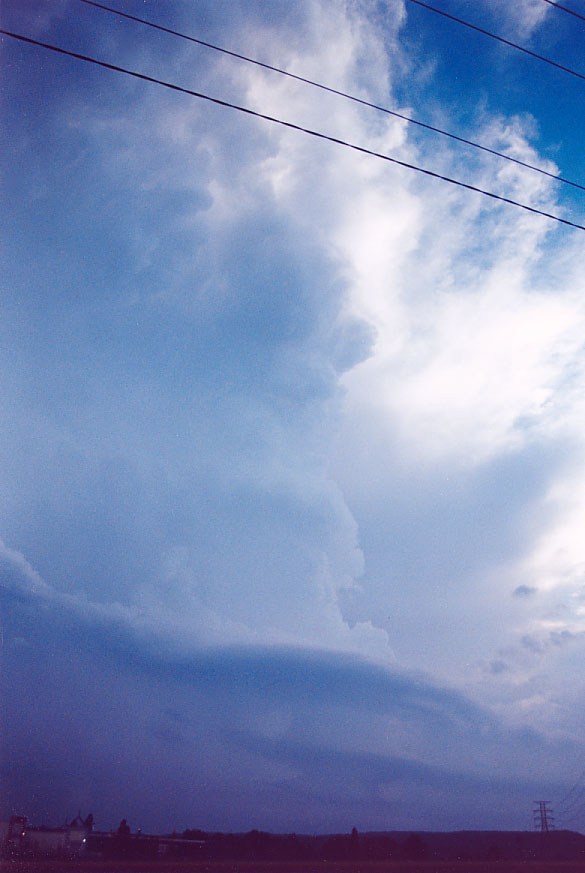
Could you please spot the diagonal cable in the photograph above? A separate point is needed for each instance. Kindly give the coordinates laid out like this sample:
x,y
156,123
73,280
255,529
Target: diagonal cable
x,y
336,91
564,9
290,126
501,39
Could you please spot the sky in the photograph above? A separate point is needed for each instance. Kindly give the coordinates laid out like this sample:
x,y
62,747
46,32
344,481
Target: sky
x,y
292,488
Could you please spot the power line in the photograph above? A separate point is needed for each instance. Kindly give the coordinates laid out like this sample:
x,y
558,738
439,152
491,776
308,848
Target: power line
x,y
574,809
577,789
336,91
499,39
576,800
570,816
564,9
578,816
291,126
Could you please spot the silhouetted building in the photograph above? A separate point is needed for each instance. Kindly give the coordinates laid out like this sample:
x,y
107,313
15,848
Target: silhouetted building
x,y
20,839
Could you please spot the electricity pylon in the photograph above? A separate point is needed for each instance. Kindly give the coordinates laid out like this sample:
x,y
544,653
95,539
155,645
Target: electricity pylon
x,y
544,820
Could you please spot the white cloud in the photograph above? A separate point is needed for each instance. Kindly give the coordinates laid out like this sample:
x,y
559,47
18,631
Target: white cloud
x,y
474,353
18,575
475,372
522,18
477,326
463,321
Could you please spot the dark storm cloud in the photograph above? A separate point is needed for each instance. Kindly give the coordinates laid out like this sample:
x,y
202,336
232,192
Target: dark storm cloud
x,y
371,769
294,723
41,617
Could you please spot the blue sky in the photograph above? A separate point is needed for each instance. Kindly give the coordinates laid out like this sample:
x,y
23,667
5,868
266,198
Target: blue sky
x,y
292,449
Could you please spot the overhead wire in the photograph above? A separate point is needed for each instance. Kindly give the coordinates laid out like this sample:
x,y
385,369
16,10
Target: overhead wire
x,y
501,39
577,815
572,810
577,788
564,9
331,90
570,807
290,126
576,800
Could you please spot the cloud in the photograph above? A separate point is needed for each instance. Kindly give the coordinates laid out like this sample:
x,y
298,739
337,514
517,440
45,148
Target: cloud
x,y
524,591
473,365
293,426
319,727
200,422
515,22
17,574
497,667
521,21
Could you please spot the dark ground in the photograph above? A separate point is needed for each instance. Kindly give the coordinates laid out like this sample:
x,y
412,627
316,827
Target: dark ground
x,y
294,867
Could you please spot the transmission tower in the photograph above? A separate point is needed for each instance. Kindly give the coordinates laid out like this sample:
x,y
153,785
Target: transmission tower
x,y
544,820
